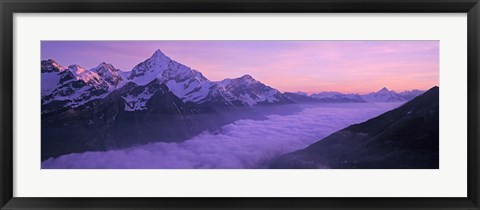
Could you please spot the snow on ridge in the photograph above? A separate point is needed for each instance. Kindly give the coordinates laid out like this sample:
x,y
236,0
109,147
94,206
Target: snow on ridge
x,y
76,69
112,76
243,80
191,86
186,83
51,65
135,103
248,90
89,77
268,96
64,85
151,68
81,97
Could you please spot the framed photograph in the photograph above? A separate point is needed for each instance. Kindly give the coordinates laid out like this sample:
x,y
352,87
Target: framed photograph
x,y
239,105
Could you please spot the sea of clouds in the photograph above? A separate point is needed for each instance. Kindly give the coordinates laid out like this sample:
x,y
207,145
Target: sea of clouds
x,y
242,144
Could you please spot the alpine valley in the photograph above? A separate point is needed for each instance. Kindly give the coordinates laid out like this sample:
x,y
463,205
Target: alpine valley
x,y
159,100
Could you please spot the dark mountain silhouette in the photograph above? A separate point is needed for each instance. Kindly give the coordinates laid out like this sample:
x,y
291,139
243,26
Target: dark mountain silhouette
x,y
406,137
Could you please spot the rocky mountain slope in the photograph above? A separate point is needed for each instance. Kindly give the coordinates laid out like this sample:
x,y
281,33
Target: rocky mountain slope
x,y
406,137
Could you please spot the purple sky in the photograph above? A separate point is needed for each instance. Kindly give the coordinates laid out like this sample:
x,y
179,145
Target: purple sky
x,y
310,66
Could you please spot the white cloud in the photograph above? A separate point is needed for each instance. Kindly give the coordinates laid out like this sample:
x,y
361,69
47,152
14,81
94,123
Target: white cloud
x,y
242,144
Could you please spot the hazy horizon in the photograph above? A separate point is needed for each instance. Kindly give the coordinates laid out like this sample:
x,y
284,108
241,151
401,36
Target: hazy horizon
x,y
309,66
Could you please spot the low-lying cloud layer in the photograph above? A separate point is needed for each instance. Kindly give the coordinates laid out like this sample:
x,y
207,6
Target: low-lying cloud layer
x,y
242,144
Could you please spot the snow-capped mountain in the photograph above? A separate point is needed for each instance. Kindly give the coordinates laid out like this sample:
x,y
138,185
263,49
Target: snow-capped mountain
x,y
251,91
331,96
137,98
383,95
191,86
75,85
89,77
187,84
299,97
50,75
111,75
68,92
69,87
122,119
184,82
50,65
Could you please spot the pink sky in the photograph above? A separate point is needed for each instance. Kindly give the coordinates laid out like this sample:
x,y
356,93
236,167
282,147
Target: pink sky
x,y
309,66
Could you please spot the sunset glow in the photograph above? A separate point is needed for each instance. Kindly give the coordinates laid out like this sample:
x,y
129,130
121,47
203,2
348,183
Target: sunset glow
x,y
309,66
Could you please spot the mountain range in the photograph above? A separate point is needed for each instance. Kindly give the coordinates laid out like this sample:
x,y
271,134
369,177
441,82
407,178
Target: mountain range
x,y
105,108
406,137
74,86
383,95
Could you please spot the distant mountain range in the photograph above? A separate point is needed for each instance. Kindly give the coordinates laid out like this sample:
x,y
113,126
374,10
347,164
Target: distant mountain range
x,y
406,137
104,108
383,95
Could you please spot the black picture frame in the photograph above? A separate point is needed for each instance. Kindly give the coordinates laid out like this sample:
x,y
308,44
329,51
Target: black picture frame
x,y
9,7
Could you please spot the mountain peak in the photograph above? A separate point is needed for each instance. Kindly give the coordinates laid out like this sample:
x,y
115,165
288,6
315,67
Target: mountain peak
x,y
158,57
102,64
151,68
106,66
51,65
384,89
159,54
74,66
246,80
52,61
248,77
109,74
76,69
